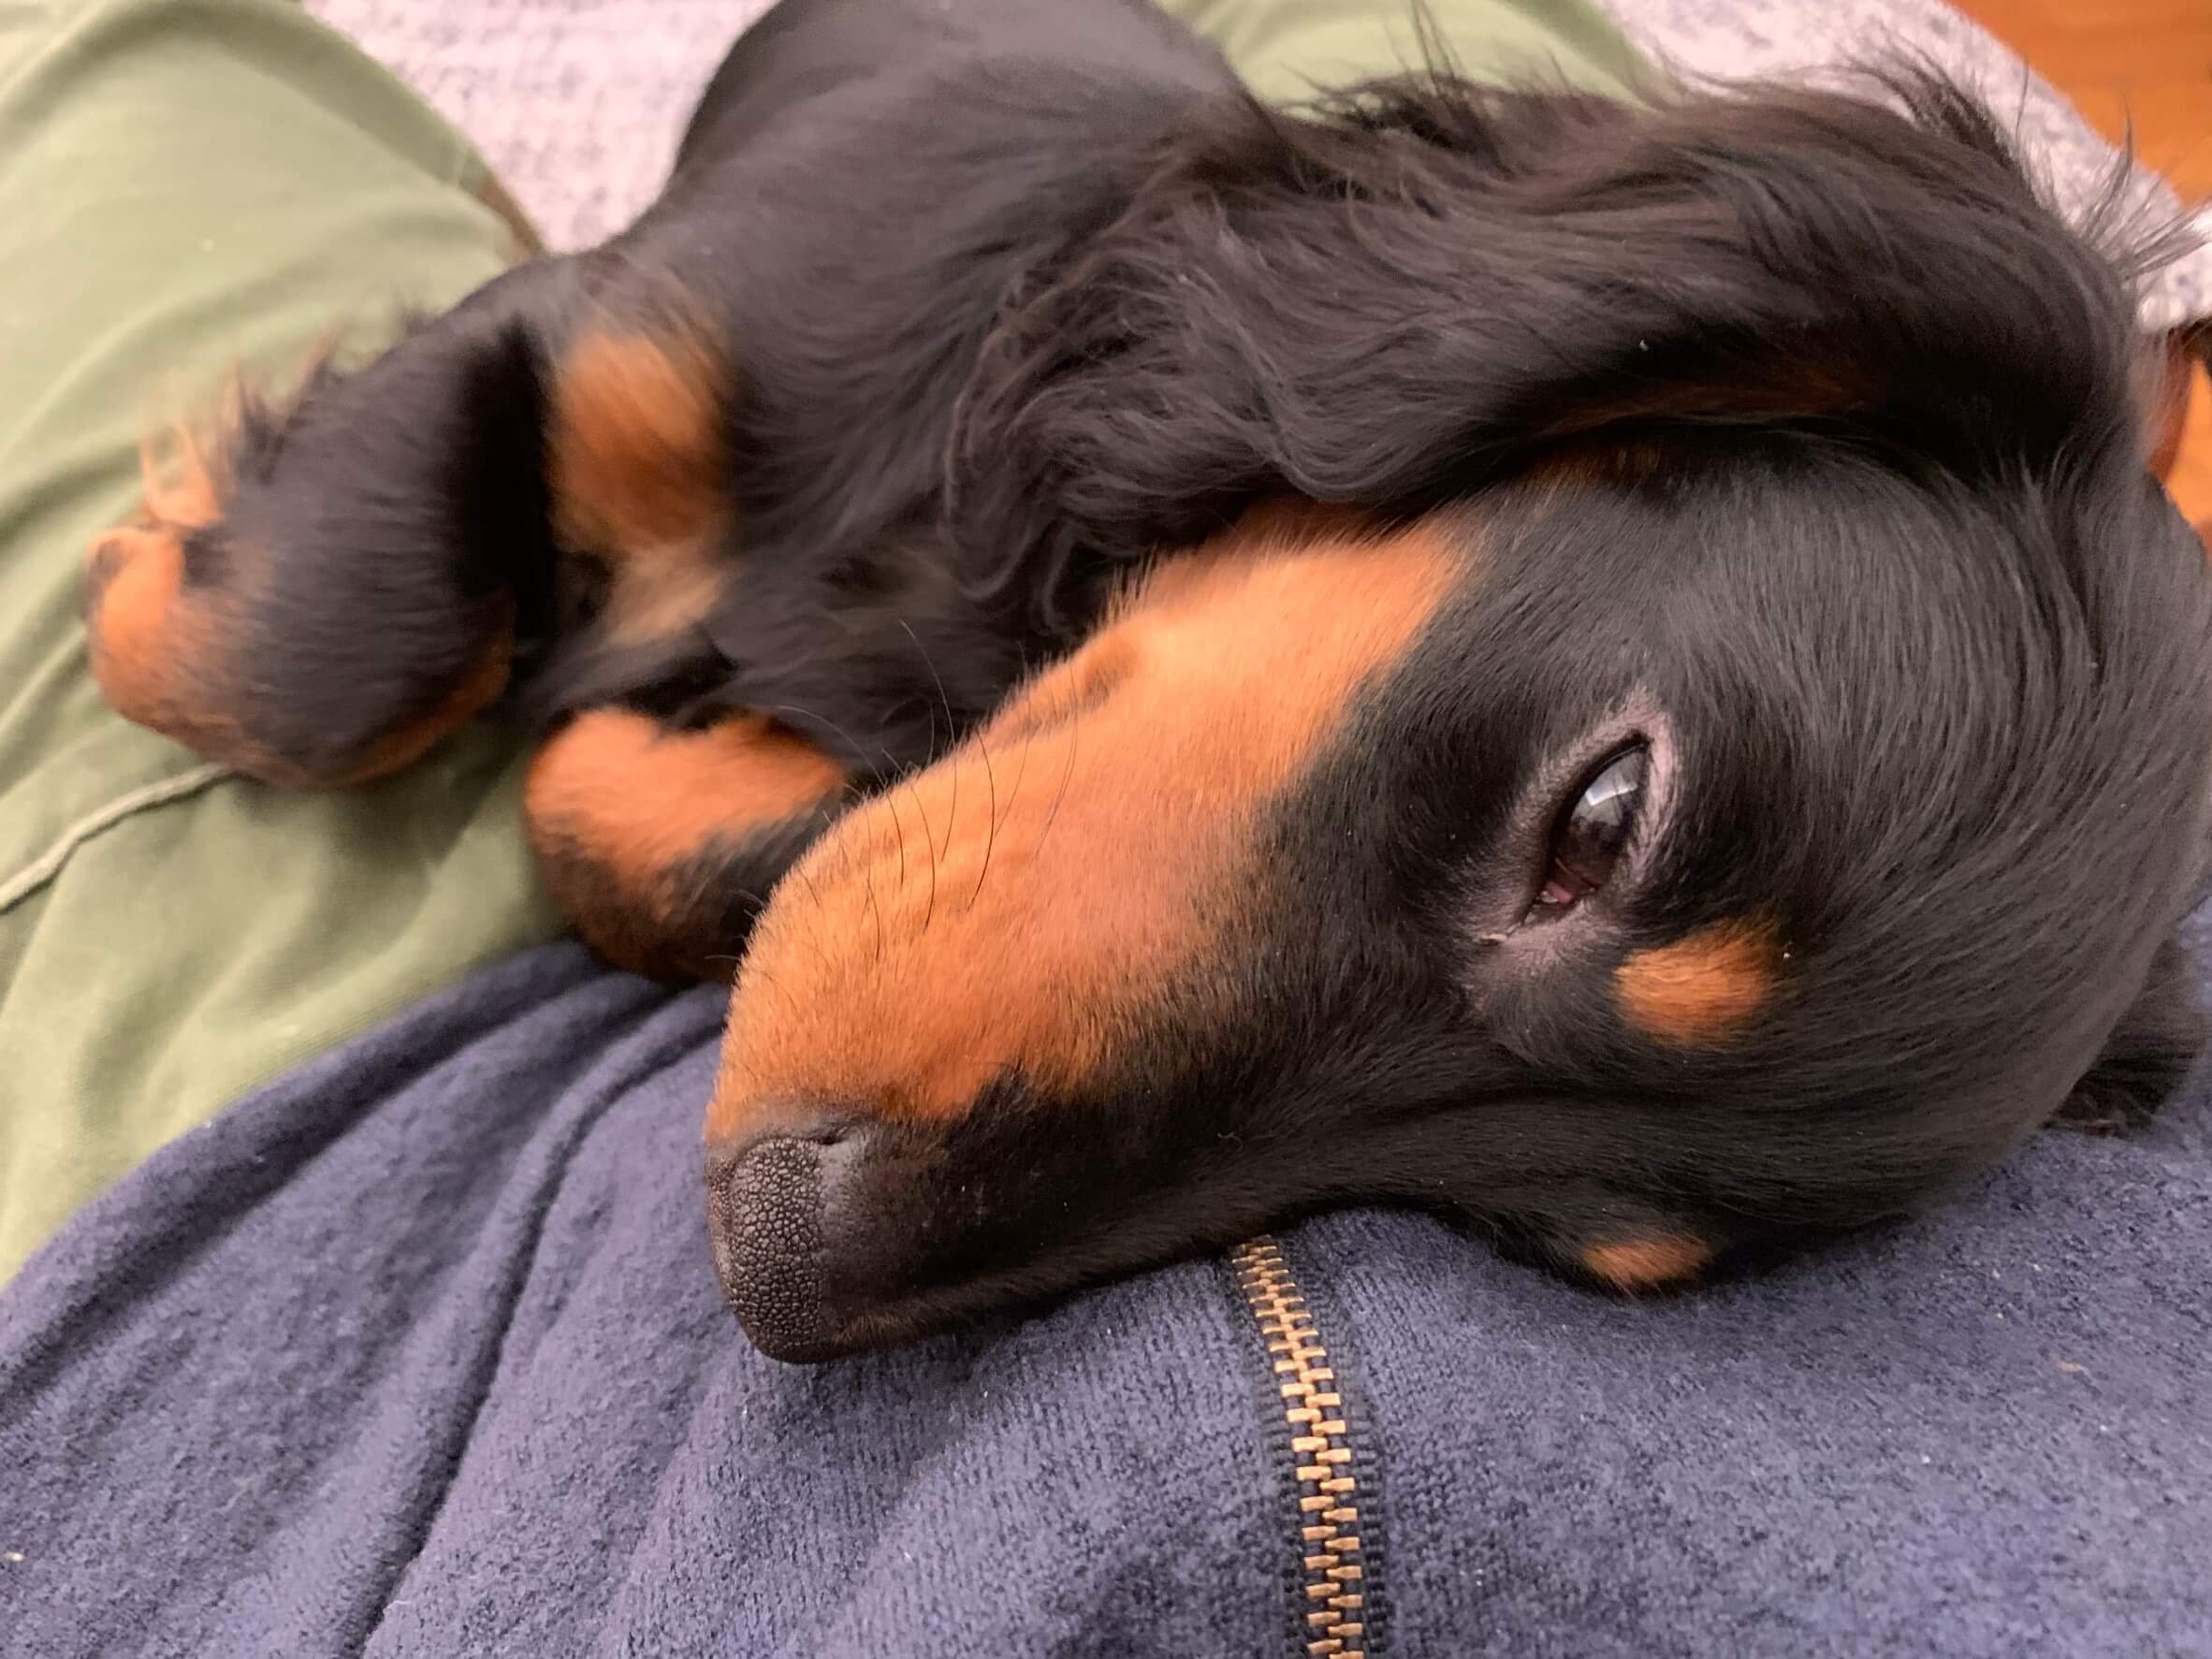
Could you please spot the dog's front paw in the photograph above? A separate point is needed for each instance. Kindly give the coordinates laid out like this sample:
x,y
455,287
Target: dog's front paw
x,y
155,631
277,666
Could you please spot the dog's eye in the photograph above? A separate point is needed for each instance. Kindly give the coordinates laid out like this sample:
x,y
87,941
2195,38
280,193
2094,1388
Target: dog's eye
x,y
1588,841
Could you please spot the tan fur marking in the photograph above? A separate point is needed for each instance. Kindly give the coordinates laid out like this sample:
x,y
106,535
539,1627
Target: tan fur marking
x,y
639,472
1648,1264
150,650
1700,989
157,655
154,651
138,656
637,800
1012,906
646,797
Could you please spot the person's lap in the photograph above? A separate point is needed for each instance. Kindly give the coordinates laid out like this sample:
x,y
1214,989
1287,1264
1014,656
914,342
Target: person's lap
x,y
1285,49
192,185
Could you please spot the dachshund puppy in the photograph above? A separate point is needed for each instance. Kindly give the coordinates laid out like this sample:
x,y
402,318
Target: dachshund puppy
x,y
1617,672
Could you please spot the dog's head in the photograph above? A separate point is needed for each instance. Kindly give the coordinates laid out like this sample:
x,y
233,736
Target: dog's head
x,y
1730,775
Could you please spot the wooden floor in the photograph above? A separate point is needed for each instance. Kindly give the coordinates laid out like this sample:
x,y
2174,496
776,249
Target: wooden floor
x,y
2148,61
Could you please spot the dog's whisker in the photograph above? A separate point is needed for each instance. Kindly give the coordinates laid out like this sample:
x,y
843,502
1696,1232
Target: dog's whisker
x,y
899,826
1013,798
928,840
991,826
874,907
1066,777
860,748
952,728
806,878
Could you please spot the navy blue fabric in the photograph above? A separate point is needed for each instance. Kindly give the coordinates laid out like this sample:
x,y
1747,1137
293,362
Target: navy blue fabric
x,y
419,1352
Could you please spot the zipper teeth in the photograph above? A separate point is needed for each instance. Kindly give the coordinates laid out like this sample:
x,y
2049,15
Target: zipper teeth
x,y
1327,1545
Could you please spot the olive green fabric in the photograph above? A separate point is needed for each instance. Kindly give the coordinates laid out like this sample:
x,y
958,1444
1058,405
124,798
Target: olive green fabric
x,y
1285,49
187,185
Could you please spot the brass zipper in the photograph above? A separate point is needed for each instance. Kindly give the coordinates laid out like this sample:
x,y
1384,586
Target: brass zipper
x,y
1332,1575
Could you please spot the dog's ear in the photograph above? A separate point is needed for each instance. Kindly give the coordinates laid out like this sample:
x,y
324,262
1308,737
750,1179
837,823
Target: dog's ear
x,y
320,589
1395,304
2149,1055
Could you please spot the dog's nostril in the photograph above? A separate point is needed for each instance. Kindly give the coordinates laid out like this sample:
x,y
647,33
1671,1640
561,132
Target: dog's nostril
x,y
765,1199
763,1212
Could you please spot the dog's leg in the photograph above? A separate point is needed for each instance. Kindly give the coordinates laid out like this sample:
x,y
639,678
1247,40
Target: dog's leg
x,y
662,845
322,590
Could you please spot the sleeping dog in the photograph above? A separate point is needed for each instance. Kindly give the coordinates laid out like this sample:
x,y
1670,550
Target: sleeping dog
x,y
1615,671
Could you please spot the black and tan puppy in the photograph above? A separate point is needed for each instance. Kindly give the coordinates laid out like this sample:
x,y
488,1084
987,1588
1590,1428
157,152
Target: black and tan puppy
x,y
1618,672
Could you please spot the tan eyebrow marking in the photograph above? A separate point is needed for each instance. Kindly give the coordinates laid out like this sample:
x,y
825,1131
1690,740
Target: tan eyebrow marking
x,y
1703,988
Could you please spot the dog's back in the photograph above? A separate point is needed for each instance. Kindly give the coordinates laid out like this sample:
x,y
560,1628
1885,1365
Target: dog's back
x,y
864,189
801,50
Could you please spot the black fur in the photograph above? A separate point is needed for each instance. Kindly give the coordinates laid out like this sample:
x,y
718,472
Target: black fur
x,y
1796,421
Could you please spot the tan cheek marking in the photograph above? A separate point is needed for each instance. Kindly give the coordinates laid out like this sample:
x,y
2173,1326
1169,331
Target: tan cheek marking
x,y
1648,1264
1700,989
1013,905
639,472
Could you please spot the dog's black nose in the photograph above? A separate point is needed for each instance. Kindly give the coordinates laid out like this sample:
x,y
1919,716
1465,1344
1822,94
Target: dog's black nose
x,y
764,1212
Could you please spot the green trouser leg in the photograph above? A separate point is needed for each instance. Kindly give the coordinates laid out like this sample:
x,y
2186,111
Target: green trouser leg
x,y
1287,48
187,185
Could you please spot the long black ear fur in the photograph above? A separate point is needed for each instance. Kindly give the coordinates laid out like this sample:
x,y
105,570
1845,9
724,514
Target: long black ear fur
x,y
1496,270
